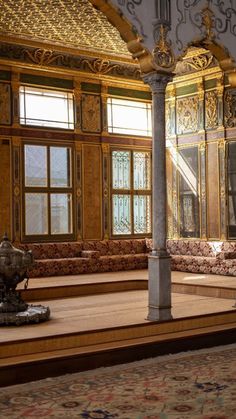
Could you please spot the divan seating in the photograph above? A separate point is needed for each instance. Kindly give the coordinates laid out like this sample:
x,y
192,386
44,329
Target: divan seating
x,y
203,256
71,258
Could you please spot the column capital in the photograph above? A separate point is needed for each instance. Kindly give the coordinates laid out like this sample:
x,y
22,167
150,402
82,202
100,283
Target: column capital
x,y
157,81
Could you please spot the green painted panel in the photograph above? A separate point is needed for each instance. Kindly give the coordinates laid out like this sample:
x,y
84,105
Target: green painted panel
x,y
209,84
46,81
186,90
5,75
135,94
91,87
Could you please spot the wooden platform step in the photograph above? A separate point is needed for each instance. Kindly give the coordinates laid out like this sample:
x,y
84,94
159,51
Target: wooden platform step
x,y
65,287
38,358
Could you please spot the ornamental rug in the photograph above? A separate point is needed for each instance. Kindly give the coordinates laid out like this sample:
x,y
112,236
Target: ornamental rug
x,y
190,385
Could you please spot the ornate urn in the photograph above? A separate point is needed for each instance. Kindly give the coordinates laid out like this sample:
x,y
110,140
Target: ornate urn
x,y
13,270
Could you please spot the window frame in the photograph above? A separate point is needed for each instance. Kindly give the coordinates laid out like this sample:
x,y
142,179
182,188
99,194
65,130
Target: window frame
x,y
184,193
231,229
49,190
43,88
148,105
130,192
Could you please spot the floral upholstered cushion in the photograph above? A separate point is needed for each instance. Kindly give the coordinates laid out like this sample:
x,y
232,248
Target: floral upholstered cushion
x,y
94,254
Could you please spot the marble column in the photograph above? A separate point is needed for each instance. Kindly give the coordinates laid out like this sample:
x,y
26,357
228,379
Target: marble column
x,y
159,261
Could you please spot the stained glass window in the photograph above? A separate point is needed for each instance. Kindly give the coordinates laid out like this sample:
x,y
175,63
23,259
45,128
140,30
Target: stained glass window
x,y
48,190
131,192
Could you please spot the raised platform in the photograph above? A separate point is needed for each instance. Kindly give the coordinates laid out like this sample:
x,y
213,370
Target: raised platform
x,y
94,326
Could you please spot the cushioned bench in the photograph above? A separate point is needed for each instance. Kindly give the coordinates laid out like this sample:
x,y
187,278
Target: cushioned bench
x,y
52,259
203,257
71,258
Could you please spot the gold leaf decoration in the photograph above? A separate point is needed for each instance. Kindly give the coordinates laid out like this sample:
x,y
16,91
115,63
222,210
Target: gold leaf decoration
x,y
91,113
5,104
211,109
101,66
42,56
187,114
200,62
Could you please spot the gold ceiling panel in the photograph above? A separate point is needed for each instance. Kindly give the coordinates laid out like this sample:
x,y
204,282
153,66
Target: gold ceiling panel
x,y
69,23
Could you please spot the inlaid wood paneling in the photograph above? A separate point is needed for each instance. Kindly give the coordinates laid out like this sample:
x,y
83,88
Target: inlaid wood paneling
x,y
92,192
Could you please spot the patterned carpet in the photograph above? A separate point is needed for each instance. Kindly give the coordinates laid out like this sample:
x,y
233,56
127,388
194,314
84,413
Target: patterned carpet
x,y
190,385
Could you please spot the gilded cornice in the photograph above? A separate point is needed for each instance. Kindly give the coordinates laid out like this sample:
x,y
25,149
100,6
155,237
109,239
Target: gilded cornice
x,y
43,58
187,79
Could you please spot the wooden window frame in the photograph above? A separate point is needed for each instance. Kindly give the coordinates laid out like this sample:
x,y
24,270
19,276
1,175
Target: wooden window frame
x,y
49,191
131,192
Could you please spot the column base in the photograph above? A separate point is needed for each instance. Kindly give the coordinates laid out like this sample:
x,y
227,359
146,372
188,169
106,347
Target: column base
x,y
159,314
159,287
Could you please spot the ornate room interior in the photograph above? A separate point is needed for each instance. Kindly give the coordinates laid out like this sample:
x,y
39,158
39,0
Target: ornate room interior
x,y
118,151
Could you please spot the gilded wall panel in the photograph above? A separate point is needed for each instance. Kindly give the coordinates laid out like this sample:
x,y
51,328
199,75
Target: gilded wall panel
x,y
91,113
79,199
106,189
169,175
230,108
213,215
16,181
5,188
168,119
187,114
222,187
5,104
203,206
92,192
211,105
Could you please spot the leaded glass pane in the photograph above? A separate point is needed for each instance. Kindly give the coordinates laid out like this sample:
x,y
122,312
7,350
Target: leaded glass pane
x,y
142,214
35,165
121,214
42,107
36,213
121,170
129,117
142,170
60,167
61,205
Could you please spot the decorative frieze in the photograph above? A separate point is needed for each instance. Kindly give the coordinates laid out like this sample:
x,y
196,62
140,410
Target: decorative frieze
x,y
49,58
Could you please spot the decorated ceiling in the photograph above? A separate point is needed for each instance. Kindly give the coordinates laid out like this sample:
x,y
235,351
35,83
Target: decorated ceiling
x,y
73,24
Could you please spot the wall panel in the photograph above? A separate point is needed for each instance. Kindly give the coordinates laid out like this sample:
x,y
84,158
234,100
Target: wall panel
x,y
5,188
213,215
92,189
